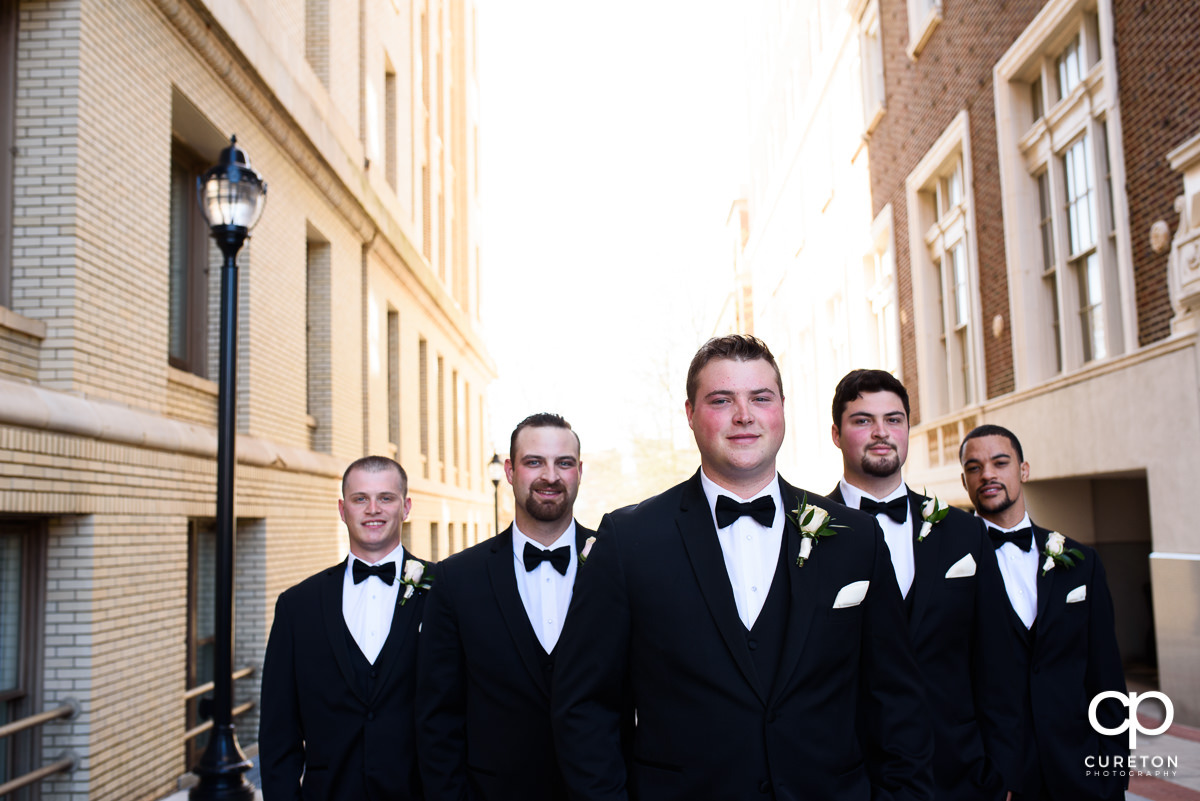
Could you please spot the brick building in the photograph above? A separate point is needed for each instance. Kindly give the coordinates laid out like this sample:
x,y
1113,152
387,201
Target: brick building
x,y
359,333
1025,152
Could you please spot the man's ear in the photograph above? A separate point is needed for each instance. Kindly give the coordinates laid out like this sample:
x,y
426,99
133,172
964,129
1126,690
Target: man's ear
x,y
1024,472
836,433
688,409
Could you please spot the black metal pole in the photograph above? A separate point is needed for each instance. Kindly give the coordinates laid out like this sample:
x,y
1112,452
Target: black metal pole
x,y
223,766
496,507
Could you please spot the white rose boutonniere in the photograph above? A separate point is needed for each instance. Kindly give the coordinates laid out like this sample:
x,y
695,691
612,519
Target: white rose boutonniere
x,y
587,549
814,523
933,511
1057,553
414,579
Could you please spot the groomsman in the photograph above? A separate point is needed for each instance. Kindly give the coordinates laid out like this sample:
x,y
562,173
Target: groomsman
x,y
491,628
757,626
948,577
1059,633
340,674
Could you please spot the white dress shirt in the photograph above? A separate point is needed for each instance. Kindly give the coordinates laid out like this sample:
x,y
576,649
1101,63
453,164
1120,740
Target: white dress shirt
x,y
898,536
368,607
751,550
545,592
1020,571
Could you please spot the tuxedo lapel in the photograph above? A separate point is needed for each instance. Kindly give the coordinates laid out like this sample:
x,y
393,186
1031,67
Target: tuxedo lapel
x,y
836,495
508,600
699,536
927,559
1045,579
404,620
335,623
802,587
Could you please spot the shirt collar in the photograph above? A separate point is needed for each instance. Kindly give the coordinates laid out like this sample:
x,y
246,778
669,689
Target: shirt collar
x,y
712,489
519,540
853,496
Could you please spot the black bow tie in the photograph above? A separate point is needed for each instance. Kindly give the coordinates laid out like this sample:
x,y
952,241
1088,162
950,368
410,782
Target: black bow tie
x,y
897,508
1022,537
761,509
386,572
559,558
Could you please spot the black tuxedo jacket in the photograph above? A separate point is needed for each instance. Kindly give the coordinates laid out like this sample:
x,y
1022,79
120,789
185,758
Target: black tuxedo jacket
x,y
1067,658
653,611
952,623
483,699
316,721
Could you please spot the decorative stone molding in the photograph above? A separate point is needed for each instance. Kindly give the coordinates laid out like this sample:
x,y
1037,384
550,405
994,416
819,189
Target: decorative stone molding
x,y
1183,264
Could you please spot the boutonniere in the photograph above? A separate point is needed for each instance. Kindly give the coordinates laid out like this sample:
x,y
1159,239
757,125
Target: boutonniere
x,y
587,549
814,523
414,579
1057,553
933,511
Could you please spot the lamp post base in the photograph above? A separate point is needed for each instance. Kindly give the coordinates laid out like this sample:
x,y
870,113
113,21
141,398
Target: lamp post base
x,y
222,770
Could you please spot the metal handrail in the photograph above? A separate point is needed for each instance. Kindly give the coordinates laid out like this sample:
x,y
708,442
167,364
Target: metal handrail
x,y
201,689
208,724
66,763
68,710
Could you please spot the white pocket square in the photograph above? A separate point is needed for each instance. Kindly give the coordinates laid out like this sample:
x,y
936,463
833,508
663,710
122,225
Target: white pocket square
x,y
851,595
1078,594
962,568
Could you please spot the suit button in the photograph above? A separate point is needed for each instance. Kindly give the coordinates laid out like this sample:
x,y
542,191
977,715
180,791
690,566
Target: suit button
x,y
772,717
370,716
765,787
374,674
753,645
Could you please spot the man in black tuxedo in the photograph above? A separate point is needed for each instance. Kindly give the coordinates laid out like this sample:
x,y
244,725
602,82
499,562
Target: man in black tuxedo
x,y
763,662
1059,633
491,626
948,577
339,676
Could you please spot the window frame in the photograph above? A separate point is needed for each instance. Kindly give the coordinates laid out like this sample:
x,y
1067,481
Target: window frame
x,y
935,227
198,252
1033,142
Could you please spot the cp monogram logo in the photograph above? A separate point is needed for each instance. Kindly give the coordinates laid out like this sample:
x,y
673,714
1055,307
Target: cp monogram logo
x,y
1133,724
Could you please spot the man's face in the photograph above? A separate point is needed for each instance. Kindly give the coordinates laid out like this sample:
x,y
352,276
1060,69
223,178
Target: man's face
x,y
373,508
993,477
873,435
545,472
737,419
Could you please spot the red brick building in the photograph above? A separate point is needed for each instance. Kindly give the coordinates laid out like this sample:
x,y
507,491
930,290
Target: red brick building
x,y
1024,153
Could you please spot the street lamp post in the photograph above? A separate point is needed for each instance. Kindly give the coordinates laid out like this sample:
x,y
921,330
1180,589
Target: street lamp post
x,y
232,196
495,473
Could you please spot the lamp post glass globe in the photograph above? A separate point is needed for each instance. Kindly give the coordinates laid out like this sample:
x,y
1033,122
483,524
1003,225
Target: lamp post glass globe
x,y
232,193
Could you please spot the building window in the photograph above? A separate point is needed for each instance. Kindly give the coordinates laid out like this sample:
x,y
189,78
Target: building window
x,y
22,571
880,282
923,18
423,369
1058,172
201,630
8,116
945,283
190,253
456,422
391,111
393,374
318,338
316,38
441,417
871,47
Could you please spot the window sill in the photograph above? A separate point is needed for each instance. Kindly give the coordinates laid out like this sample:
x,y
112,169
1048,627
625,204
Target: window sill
x,y
21,324
177,376
918,37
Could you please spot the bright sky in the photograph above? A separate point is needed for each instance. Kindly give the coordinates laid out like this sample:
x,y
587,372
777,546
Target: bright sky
x,y
612,146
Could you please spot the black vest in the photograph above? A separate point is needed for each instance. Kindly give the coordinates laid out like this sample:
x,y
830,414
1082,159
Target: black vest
x,y
765,638
365,674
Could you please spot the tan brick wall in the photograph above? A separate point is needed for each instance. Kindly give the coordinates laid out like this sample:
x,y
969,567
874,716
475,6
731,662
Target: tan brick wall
x,y
91,229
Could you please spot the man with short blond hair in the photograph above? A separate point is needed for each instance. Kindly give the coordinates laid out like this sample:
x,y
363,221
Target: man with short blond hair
x,y
339,676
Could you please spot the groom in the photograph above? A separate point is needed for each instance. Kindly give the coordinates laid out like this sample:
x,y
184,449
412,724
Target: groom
x,y
762,661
